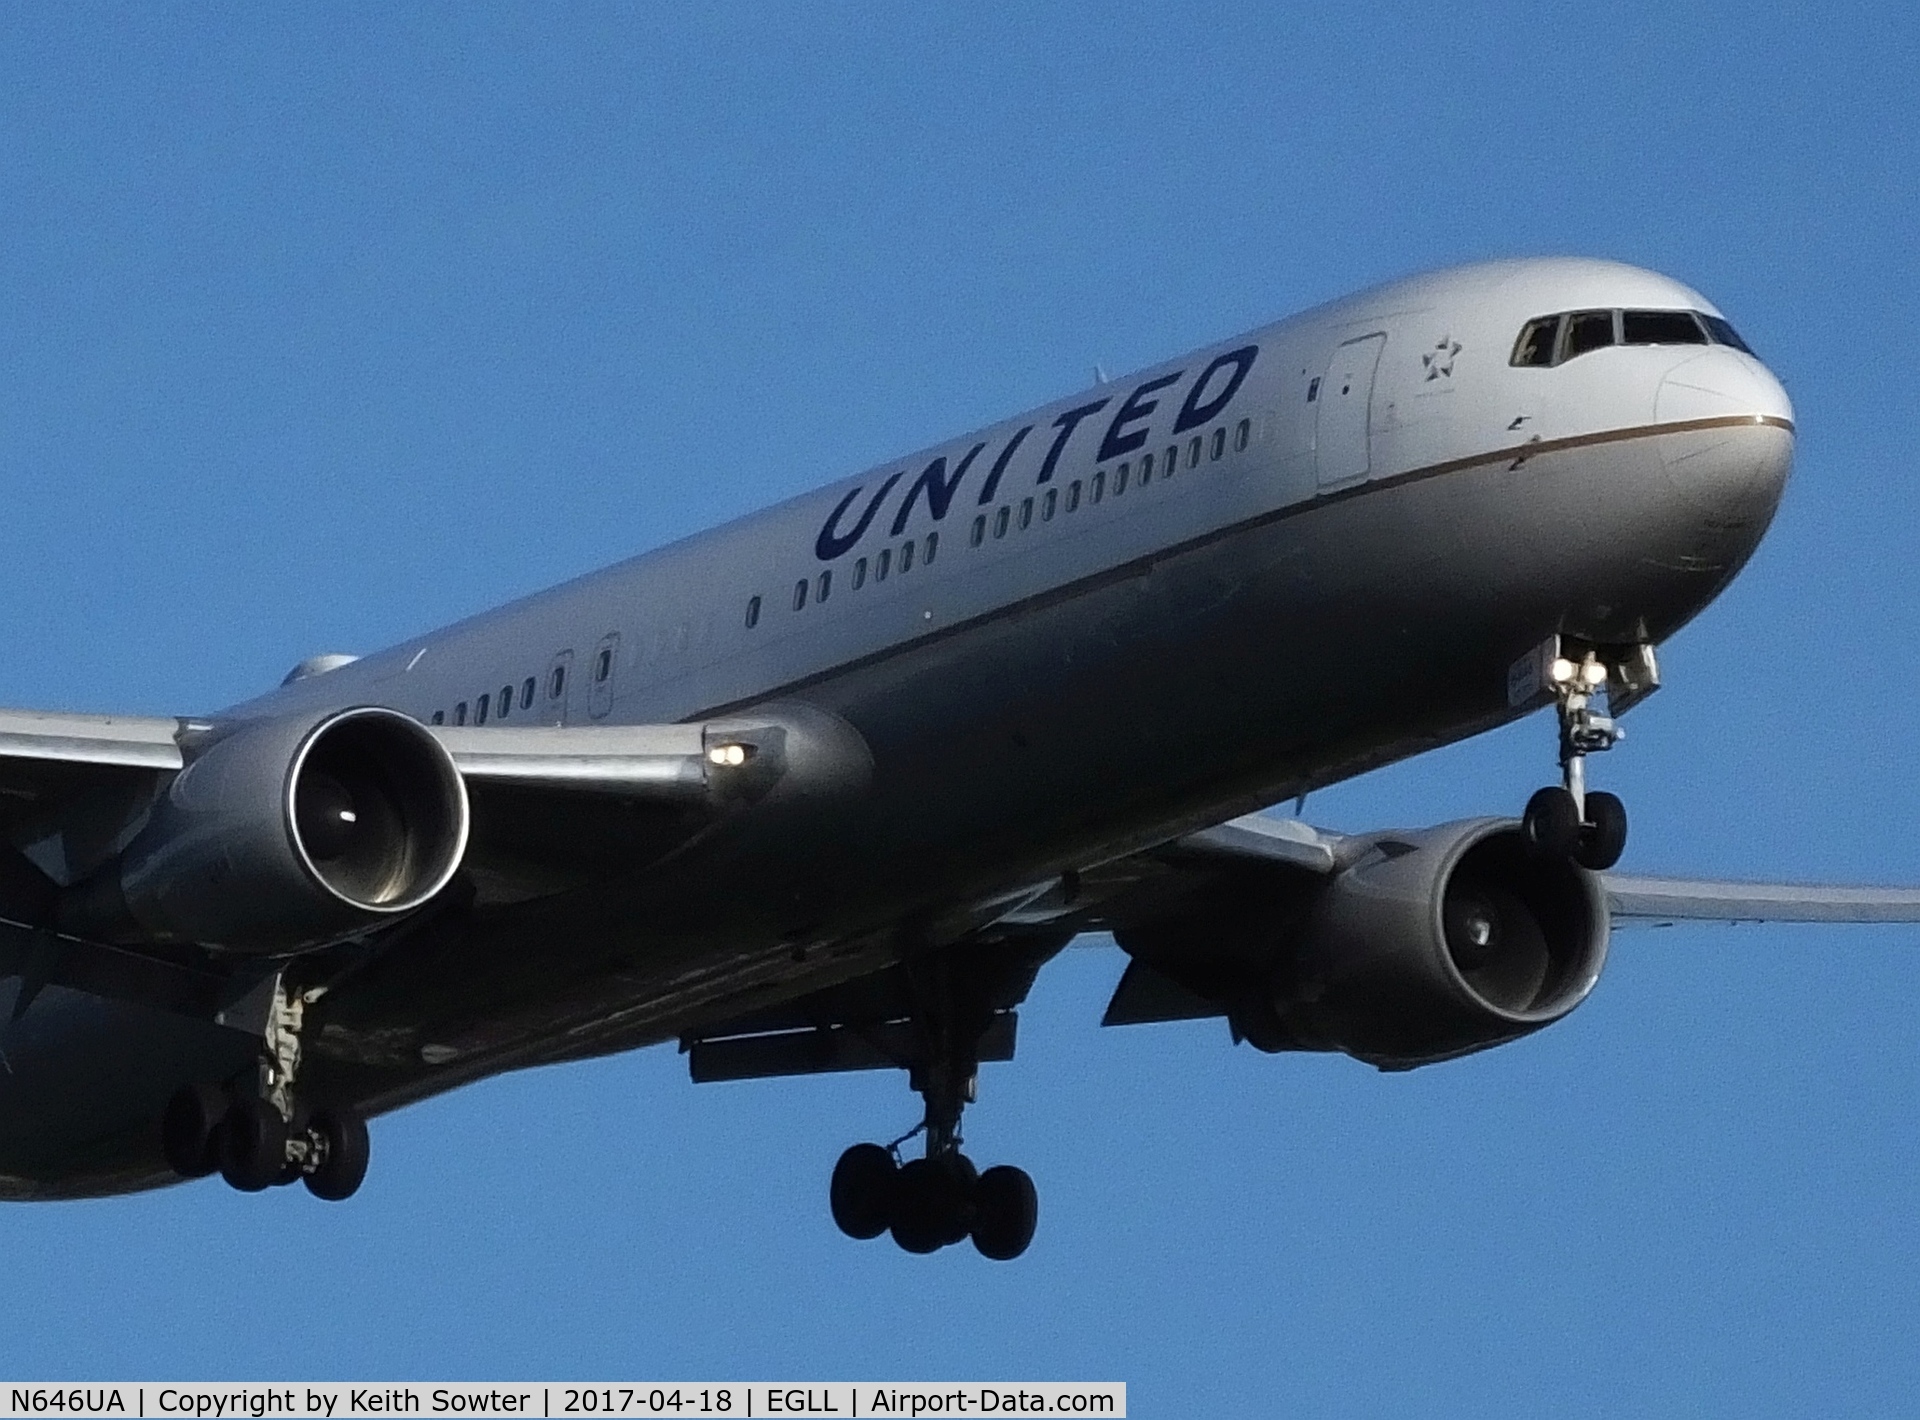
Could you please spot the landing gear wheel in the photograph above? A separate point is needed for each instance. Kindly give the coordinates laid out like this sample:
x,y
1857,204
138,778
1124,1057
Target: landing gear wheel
x,y
862,1192
343,1139
959,1205
1006,1207
1551,824
190,1130
253,1146
1604,835
928,1203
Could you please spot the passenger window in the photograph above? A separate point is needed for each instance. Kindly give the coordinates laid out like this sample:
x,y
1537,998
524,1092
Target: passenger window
x,y
1662,328
906,557
1120,480
1193,452
557,682
1219,441
1048,504
1099,485
1026,513
825,587
480,710
460,713
753,620
1534,347
603,663
799,604
1073,495
526,693
1724,334
933,546
882,564
506,700
1000,521
1146,469
1586,330
859,573
1242,432
1172,463
439,717
979,533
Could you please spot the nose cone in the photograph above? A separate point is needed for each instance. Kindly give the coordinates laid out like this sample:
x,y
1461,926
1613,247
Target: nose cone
x,y
1720,383
1731,448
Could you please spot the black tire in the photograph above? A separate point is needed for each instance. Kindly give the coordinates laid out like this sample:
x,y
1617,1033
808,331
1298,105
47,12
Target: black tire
x,y
861,1195
1551,824
343,1134
1603,838
957,1205
924,1202
1006,1209
190,1130
253,1146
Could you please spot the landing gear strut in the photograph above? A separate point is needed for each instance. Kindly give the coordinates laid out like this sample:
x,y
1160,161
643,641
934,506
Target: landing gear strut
x,y
1567,820
941,1198
255,1140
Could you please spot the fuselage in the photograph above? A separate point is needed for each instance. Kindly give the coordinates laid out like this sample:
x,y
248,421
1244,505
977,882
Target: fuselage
x,y
1181,595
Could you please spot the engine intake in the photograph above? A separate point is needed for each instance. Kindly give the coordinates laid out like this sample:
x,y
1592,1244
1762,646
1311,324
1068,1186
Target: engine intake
x,y
1424,946
1440,943
285,835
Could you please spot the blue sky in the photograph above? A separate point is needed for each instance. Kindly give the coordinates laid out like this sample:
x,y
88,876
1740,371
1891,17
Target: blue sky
x,y
319,327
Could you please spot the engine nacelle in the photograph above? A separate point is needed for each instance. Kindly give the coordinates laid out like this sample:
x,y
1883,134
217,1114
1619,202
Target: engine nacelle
x,y
1439,943
286,835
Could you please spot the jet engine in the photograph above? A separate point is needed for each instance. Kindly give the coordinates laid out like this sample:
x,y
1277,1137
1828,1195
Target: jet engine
x,y
1426,946
1440,943
285,835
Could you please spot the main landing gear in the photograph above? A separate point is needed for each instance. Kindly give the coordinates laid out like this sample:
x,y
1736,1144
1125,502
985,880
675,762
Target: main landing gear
x,y
942,1198
1567,820
933,1202
257,1140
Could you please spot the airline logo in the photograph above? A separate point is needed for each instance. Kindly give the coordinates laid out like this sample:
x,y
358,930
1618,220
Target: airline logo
x,y
1129,427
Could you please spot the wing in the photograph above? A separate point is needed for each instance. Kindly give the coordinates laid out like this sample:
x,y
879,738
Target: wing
x,y
1637,901
1633,899
551,809
663,762
70,783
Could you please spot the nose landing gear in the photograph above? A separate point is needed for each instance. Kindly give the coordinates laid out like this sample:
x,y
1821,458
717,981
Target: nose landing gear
x,y
1567,820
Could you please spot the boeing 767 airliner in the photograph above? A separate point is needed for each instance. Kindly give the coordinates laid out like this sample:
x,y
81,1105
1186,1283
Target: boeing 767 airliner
x,y
823,789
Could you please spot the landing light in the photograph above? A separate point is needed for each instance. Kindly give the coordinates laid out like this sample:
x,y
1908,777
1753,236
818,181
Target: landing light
x,y
727,756
1562,670
1593,673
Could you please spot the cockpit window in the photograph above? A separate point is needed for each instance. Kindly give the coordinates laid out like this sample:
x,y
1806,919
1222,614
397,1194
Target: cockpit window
x,y
1553,340
1535,346
1587,330
1723,333
1662,328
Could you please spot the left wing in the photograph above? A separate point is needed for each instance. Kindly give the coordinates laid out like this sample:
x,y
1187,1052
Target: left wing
x,y
1633,899
1637,901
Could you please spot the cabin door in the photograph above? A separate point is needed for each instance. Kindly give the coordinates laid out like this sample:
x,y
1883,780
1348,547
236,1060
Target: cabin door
x,y
1345,401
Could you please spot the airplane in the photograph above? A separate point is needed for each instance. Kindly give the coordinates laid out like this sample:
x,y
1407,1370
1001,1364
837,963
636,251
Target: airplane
x,y
825,788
